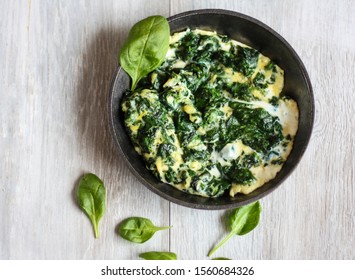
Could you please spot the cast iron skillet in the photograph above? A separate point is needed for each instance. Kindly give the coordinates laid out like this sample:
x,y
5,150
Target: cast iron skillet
x,y
297,85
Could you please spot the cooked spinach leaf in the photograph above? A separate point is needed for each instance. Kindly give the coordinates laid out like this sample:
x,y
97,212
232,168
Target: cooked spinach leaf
x,y
246,60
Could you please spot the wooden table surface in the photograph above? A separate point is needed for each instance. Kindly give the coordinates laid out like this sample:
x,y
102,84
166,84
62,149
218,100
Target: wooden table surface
x,y
57,61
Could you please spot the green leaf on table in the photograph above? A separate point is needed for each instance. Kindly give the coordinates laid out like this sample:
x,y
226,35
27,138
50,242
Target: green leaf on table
x,y
91,196
158,256
138,229
241,221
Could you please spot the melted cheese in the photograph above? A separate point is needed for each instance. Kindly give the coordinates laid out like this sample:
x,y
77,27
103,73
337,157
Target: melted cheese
x,y
161,167
287,112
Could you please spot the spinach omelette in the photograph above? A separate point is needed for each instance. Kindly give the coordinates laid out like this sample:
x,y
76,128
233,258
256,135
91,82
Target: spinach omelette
x,y
211,119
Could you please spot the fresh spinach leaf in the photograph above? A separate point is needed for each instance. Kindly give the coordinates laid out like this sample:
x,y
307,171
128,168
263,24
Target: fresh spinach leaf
x,y
158,256
137,229
220,259
241,221
145,48
91,197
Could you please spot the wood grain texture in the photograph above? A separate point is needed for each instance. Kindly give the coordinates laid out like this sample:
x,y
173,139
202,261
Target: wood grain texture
x,y
57,62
